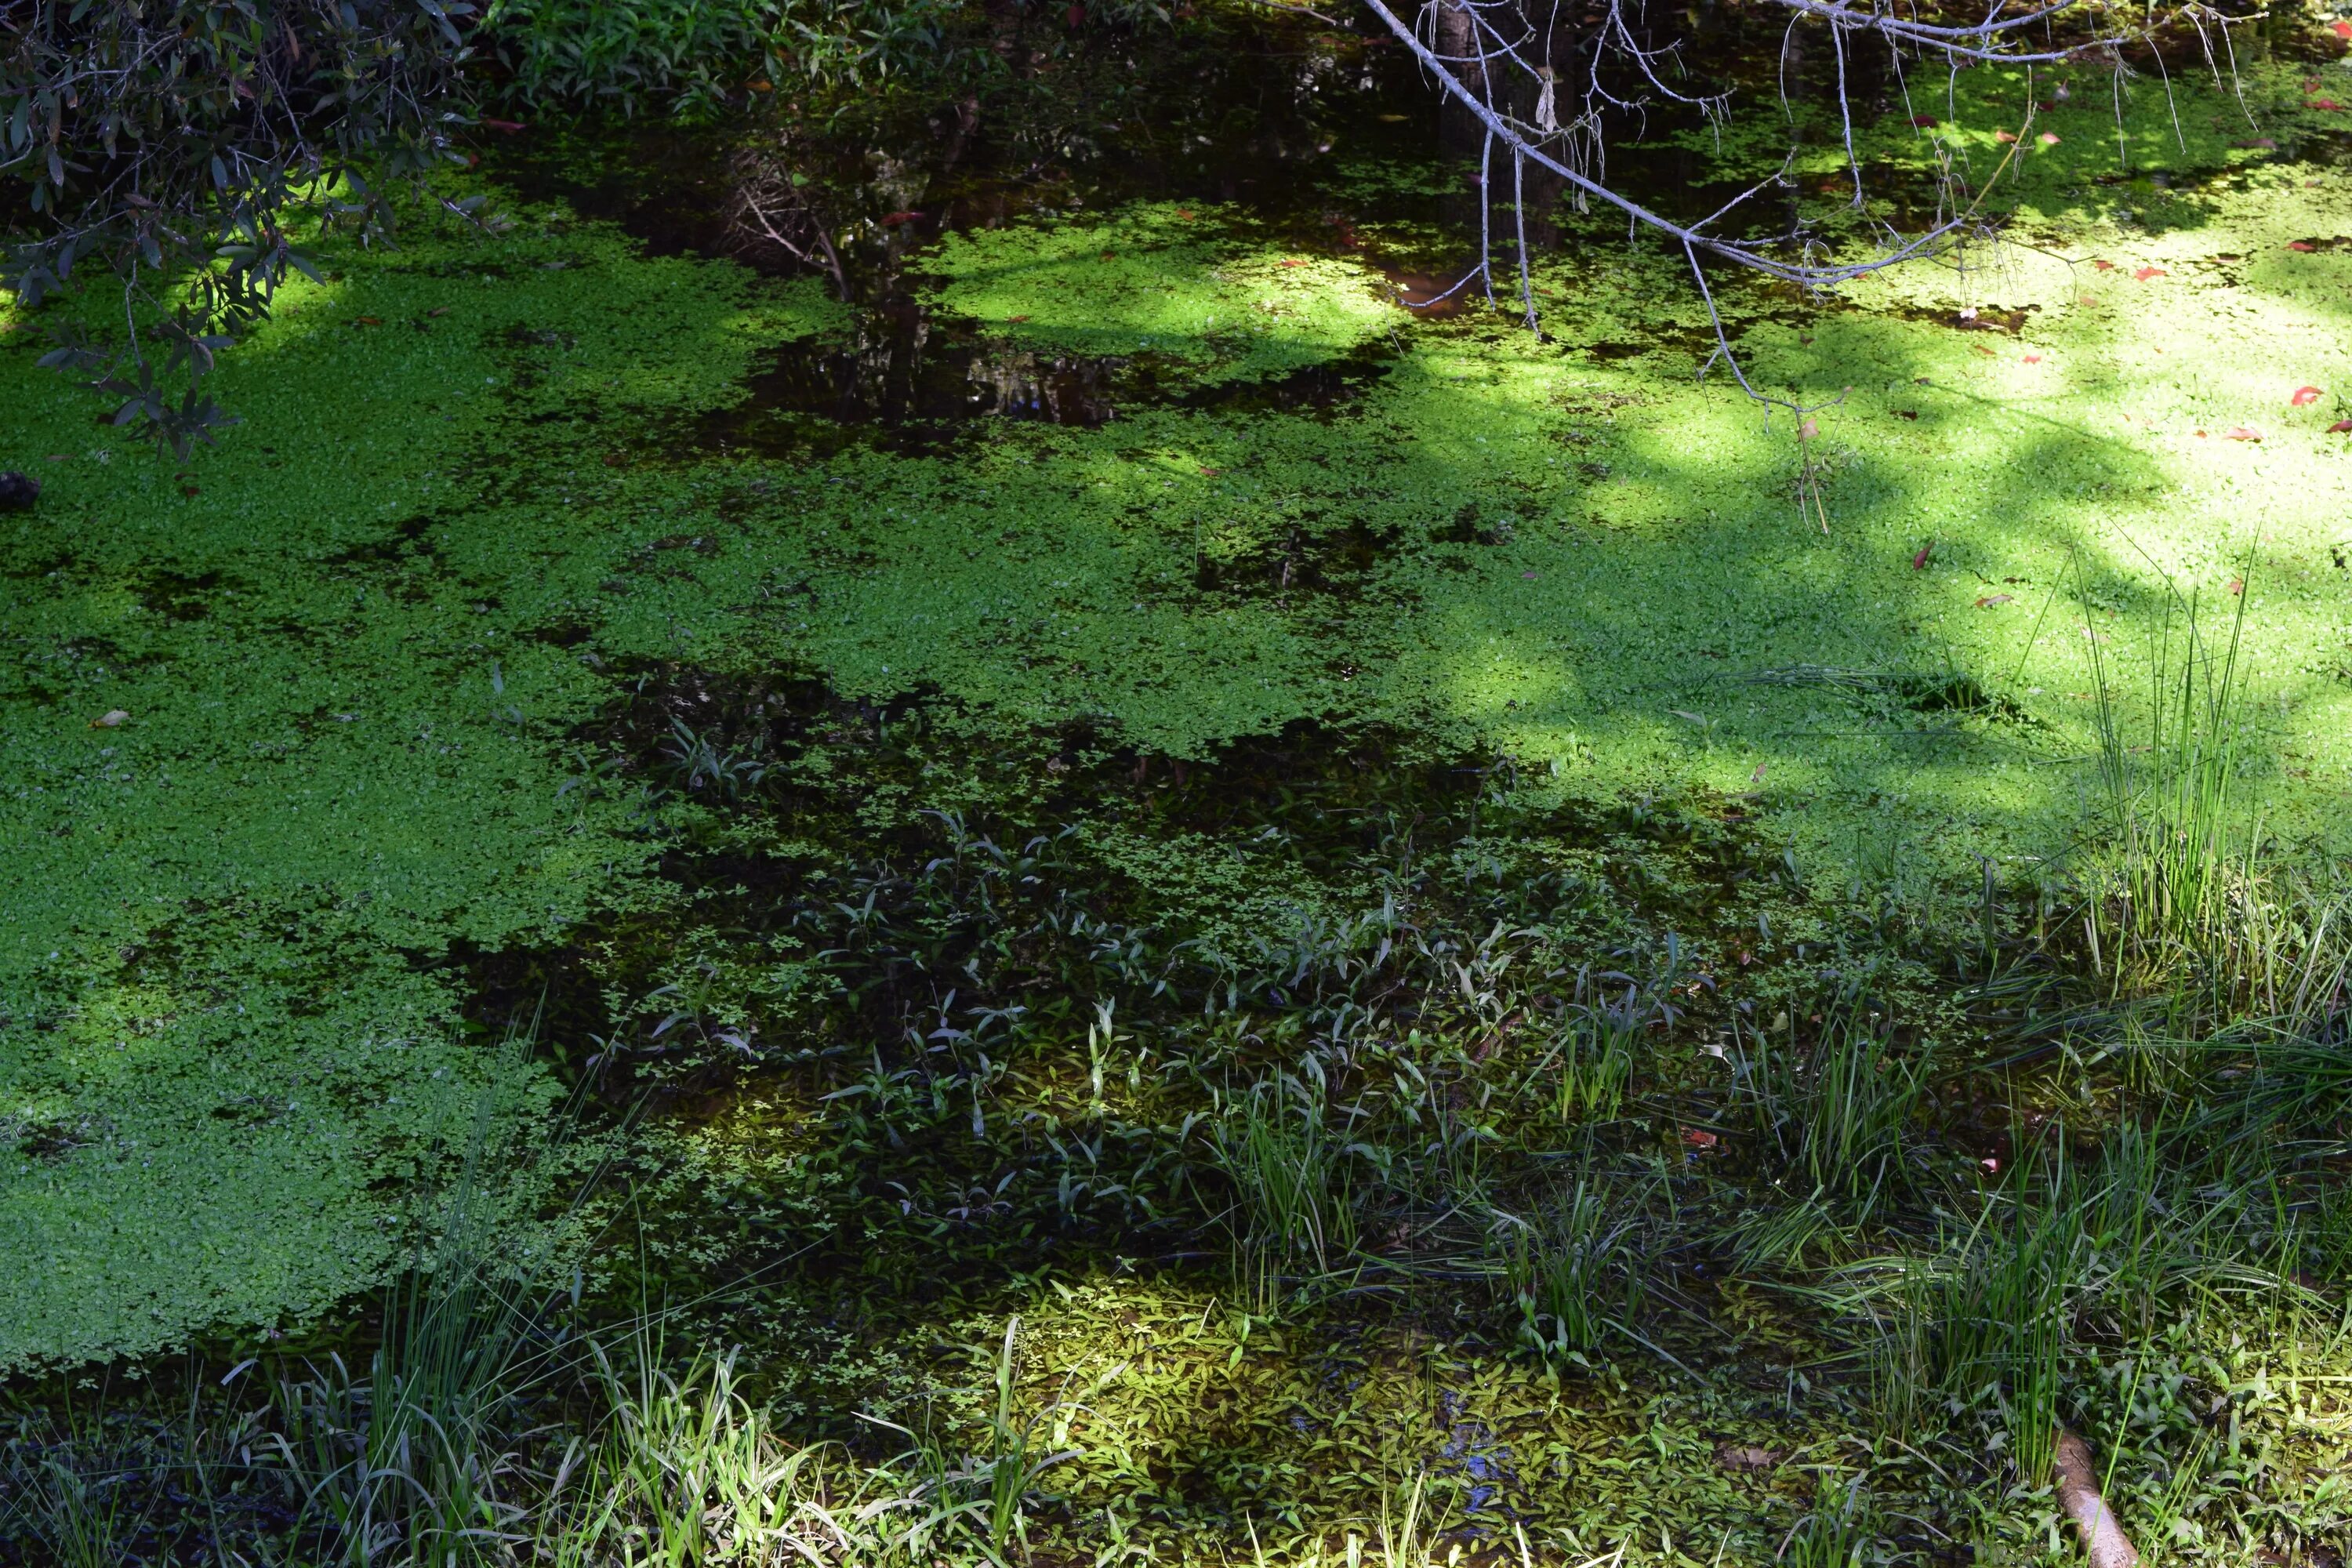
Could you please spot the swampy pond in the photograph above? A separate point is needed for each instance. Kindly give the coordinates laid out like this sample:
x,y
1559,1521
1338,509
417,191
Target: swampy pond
x,y
1114,879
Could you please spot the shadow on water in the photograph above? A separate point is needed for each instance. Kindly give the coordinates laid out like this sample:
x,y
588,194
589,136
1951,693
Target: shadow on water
x,y
915,382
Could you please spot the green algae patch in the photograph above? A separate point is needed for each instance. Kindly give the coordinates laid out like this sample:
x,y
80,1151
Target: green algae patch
x,y
230,1044
1186,285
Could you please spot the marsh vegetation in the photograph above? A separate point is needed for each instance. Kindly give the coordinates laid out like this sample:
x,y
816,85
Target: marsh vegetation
x,y
892,818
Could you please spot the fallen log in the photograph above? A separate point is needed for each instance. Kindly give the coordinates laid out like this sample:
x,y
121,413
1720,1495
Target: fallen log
x,y
2104,1542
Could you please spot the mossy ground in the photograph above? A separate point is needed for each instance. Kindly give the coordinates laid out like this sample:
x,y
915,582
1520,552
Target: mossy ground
x,y
414,664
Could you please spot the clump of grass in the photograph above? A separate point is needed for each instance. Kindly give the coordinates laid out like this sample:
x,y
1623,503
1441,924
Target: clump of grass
x,y
690,1471
1599,1048
1293,1213
1571,1269
1833,1532
1833,1118
1985,1322
2180,904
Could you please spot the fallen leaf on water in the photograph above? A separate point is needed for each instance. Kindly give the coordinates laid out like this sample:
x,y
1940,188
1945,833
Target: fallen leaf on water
x,y
2243,432
1289,263
109,720
2305,395
2237,584
1184,213
892,220
2050,138
1807,430
1919,562
1923,121
1208,473
2034,359
438,310
2341,29
1989,600
1531,574
2327,103
1700,1138
2104,266
2201,435
2339,426
2303,245
2145,273
2003,136
508,127
367,320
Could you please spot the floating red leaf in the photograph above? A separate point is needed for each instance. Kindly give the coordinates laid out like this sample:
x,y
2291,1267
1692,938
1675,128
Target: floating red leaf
x,y
2305,396
2339,426
2104,266
2002,136
2145,273
2302,245
1700,1138
1991,600
1923,121
2034,359
892,220
2341,29
1919,562
2327,103
1289,263
2237,584
2050,138
2244,433
508,127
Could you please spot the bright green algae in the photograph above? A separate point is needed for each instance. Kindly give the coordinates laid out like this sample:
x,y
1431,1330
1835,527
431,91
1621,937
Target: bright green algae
x,y
355,659
226,1050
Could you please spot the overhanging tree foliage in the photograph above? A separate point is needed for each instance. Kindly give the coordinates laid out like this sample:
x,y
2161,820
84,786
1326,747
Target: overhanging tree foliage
x,y
172,142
